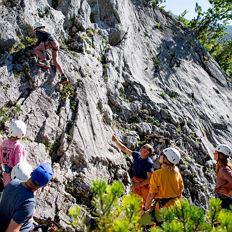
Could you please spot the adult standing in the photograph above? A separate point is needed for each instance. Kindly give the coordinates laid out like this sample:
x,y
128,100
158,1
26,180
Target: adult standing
x,y
223,175
18,201
143,167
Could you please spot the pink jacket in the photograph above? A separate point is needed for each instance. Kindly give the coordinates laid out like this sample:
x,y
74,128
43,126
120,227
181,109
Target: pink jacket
x,y
224,181
11,153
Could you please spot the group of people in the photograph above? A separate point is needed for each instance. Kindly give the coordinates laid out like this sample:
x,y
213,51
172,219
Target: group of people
x,y
20,181
165,185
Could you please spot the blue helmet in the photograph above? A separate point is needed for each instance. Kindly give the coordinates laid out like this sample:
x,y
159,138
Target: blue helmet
x,y
42,174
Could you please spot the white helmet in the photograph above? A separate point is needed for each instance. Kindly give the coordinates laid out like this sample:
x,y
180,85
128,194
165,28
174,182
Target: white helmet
x,y
172,154
223,148
17,129
21,171
38,25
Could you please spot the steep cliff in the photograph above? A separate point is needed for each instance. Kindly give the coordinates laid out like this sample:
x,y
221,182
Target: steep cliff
x,y
134,71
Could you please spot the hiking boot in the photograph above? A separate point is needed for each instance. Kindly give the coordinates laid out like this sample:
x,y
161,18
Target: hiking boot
x,y
63,79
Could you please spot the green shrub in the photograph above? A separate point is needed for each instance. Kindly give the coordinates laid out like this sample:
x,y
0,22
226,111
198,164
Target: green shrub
x,y
7,113
67,91
24,42
188,218
114,212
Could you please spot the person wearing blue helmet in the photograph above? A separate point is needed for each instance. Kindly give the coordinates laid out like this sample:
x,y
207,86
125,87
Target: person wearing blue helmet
x,y
18,200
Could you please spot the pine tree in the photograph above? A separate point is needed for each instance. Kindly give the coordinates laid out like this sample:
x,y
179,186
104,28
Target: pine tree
x,y
113,212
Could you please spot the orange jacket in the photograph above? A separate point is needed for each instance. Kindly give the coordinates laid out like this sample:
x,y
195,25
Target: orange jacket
x,y
166,183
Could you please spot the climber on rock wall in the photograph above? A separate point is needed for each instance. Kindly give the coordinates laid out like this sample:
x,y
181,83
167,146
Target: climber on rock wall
x,y
47,41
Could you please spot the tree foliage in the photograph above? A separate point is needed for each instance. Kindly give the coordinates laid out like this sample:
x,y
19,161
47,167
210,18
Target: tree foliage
x,y
155,3
113,212
158,2
209,27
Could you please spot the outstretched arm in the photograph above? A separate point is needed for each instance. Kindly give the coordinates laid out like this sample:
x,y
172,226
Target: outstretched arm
x,y
121,146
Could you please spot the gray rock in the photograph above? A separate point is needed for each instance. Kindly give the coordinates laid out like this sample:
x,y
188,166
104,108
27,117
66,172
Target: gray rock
x,y
112,89
9,37
115,36
107,114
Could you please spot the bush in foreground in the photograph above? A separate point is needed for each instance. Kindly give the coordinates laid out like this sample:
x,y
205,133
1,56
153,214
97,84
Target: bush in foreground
x,y
115,212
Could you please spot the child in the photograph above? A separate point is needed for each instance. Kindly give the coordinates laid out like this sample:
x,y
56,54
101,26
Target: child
x,y
166,184
47,41
21,171
224,175
11,150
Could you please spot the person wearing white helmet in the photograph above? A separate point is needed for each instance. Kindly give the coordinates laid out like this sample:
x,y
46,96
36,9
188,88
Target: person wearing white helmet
x,y
18,200
47,41
21,171
11,150
166,183
223,175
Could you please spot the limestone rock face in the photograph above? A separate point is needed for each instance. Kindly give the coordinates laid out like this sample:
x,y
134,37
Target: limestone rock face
x,y
134,71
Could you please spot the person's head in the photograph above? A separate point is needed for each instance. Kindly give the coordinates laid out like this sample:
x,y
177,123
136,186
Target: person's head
x,y
222,153
170,156
38,25
145,151
41,175
21,171
17,129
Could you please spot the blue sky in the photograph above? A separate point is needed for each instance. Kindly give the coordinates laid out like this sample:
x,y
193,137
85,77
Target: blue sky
x,y
178,6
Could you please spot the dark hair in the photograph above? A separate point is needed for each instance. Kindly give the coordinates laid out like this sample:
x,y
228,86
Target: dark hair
x,y
39,28
166,161
148,148
222,157
222,161
150,151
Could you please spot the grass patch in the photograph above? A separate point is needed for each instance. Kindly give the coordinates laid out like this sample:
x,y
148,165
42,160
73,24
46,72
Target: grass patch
x,y
7,113
67,91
